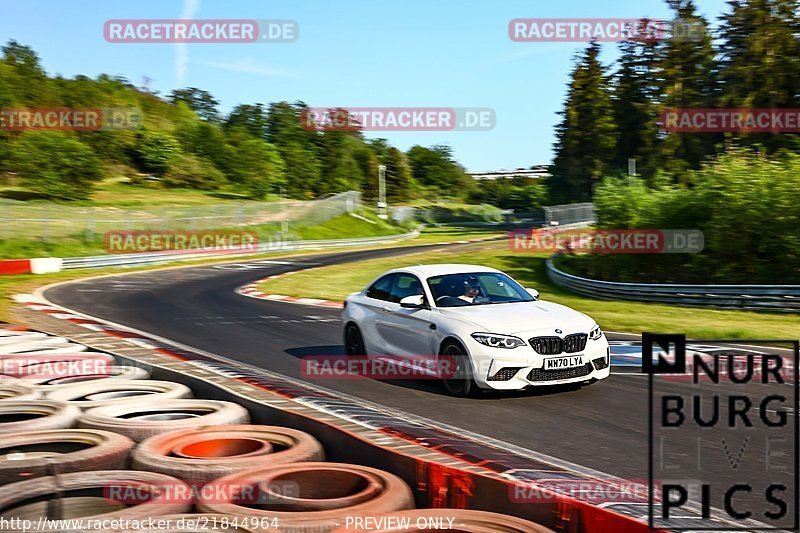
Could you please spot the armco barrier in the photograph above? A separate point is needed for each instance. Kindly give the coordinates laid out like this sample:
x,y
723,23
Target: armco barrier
x,y
782,298
100,261
54,264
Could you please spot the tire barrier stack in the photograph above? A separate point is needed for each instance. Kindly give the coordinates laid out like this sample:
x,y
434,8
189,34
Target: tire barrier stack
x,y
203,455
140,420
120,446
36,415
117,391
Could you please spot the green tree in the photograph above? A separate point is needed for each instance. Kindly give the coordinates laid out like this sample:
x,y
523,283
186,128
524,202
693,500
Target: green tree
x,y
368,162
585,136
55,165
251,118
207,141
29,81
398,176
298,147
338,147
200,101
687,81
256,165
192,172
635,111
759,63
436,169
155,150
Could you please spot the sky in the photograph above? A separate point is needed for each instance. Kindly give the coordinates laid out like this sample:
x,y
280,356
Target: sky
x,y
350,53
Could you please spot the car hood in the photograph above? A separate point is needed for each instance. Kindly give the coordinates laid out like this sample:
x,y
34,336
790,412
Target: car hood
x,y
522,317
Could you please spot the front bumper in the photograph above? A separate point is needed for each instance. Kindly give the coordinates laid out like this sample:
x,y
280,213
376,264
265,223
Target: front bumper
x,y
519,368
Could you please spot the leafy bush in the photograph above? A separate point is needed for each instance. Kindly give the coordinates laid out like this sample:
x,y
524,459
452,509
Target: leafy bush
x,y
191,172
520,194
155,151
744,203
256,165
53,164
461,213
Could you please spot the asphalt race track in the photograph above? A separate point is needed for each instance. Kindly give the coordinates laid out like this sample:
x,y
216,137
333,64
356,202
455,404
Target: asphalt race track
x,y
603,426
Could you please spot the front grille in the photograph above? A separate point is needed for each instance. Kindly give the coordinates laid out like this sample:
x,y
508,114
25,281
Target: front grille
x,y
575,342
540,374
504,374
555,345
546,345
600,363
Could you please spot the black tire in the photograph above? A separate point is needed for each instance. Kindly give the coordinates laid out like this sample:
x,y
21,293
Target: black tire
x,y
458,379
353,340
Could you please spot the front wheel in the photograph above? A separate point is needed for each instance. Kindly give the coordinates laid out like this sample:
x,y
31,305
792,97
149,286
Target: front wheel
x,y
456,371
353,341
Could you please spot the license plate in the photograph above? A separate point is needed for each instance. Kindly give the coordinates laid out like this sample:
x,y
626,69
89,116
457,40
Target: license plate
x,y
554,363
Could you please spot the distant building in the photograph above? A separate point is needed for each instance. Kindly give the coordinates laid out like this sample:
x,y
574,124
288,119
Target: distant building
x,y
536,171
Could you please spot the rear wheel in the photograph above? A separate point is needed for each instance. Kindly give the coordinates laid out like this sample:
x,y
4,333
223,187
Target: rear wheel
x,y
353,341
456,370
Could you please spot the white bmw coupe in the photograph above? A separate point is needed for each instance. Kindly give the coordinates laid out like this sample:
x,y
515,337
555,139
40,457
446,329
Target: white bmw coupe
x,y
493,333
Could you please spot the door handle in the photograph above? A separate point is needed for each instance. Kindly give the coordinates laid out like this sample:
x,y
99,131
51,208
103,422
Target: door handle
x,y
388,309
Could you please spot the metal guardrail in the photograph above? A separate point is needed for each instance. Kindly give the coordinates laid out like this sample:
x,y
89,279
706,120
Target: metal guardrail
x,y
100,261
567,214
781,298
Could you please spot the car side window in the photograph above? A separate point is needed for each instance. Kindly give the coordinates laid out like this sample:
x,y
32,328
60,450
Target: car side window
x,y
497,287
405,285
382,289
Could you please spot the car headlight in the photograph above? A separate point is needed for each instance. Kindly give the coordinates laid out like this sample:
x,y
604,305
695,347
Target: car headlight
x,y
596,333
498,341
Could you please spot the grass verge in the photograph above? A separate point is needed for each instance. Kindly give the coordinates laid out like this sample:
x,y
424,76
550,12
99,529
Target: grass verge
x,y
366,224
336,282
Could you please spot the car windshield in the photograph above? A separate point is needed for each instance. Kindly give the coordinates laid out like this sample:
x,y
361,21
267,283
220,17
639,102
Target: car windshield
x,y
481,288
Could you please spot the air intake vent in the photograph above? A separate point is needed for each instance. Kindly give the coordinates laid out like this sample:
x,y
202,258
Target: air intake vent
x,y
539,374
504,374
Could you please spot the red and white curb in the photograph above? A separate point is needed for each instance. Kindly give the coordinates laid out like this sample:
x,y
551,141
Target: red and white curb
x,y
251,289
39,265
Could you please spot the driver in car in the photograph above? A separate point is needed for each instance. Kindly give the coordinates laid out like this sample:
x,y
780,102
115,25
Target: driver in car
x,y
470,292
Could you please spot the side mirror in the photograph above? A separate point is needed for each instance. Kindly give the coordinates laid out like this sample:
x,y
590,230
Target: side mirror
x,y
534,293
416,301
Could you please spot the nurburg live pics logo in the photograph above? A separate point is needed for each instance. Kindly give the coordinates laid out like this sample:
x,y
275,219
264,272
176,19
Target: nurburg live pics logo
x,y
723,443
